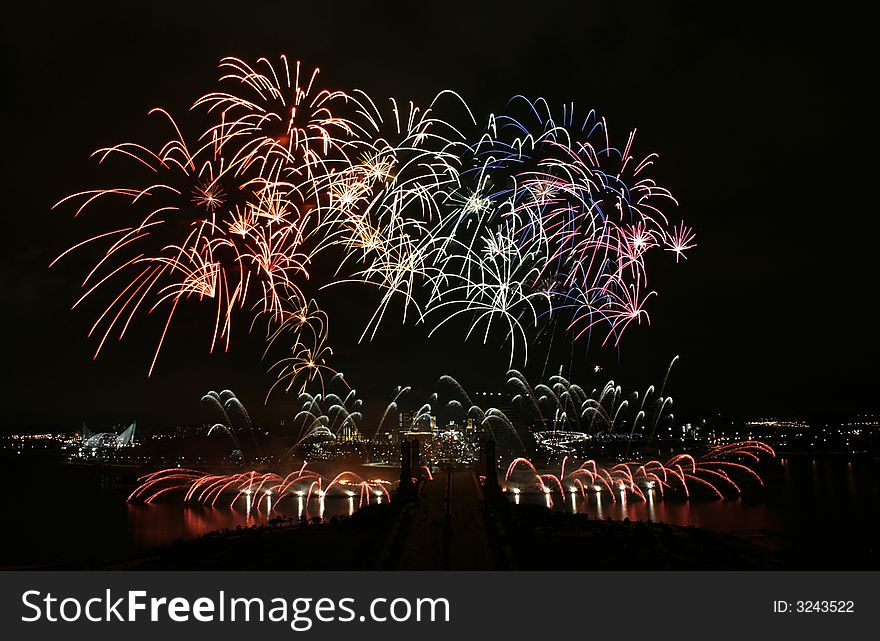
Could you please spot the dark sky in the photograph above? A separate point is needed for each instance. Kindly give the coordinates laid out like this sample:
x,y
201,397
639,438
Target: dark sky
x,y
761,118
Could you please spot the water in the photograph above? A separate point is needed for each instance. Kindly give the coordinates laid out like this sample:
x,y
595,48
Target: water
x,y
161,523
57,514
823,513
819,513
733,516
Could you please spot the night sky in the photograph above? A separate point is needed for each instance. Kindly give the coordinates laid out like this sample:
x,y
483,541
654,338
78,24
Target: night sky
x,y
761,118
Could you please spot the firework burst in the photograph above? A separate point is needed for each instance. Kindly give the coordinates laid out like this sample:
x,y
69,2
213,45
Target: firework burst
x,y
531,219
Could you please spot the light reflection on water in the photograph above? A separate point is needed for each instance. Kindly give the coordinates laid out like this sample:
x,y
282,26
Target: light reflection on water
x,y
804,498
723,516
88,505
162,523
832,505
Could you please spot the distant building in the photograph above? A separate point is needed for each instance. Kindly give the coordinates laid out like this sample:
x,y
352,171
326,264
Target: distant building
x,y
349,432
108,440
405,424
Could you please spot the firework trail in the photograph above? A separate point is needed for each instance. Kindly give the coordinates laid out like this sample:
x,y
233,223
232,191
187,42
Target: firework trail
x,y
199,233
719,473
530,219
275,117
258,490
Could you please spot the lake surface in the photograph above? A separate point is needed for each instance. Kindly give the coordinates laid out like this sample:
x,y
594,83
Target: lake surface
x,y
824,512
820,512
61,514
